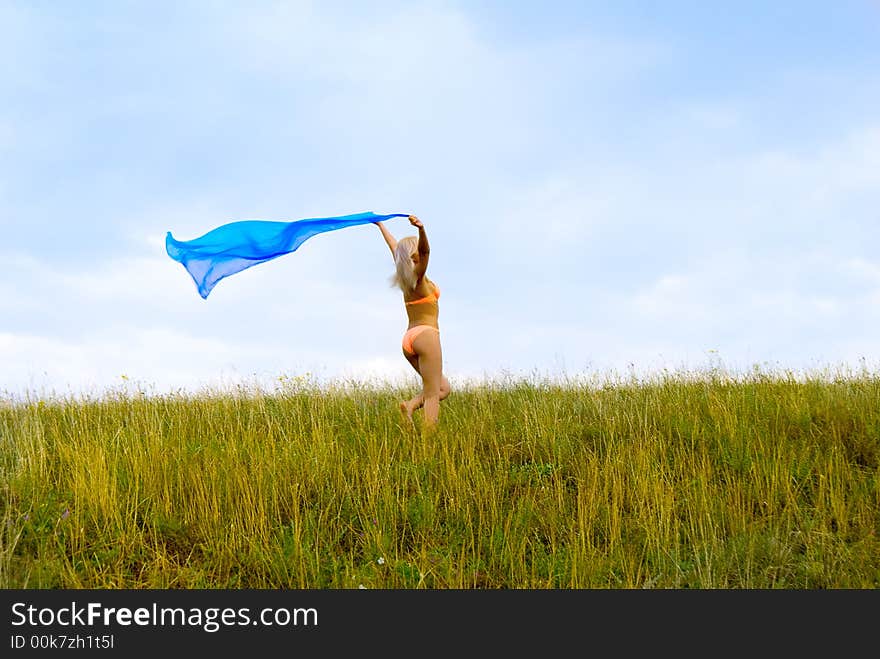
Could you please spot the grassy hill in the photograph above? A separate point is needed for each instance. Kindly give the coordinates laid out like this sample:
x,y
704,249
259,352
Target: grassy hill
x,y
758,481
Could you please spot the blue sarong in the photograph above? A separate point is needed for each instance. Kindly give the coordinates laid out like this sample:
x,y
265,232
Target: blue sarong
x,y
233,247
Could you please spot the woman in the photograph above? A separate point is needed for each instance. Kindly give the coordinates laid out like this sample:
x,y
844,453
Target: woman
x,y
421,343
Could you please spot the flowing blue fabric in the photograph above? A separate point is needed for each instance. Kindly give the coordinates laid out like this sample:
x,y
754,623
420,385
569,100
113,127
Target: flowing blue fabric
x,y
233,247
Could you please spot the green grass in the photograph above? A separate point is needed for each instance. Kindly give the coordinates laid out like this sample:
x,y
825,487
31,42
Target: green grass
x,y
715,481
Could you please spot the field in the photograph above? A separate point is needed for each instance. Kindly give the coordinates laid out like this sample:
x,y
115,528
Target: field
x,y
764,480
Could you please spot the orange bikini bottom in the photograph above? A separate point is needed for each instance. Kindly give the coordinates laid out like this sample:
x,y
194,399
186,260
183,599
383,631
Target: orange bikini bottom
x,y
411,334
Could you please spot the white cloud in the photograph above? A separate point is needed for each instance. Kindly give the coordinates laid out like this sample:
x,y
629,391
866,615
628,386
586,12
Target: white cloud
x,y
670,296
864,270
162,358
142,317
315,311
562,233
549,220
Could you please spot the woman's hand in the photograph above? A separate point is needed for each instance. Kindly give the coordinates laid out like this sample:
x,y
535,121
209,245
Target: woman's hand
x,y
416,222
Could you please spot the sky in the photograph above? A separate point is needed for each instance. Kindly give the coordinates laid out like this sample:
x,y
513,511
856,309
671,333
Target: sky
x,y
627,187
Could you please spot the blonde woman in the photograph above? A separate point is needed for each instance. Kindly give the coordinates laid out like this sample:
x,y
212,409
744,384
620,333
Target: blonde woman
x,y
421,342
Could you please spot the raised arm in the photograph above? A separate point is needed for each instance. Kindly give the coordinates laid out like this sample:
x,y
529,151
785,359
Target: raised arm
x,y
423,248
392,243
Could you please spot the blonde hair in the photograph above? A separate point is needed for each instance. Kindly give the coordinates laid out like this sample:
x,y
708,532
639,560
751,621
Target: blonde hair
x,y
404,276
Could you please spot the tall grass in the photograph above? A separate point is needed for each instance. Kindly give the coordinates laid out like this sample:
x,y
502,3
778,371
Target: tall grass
x,y
757,481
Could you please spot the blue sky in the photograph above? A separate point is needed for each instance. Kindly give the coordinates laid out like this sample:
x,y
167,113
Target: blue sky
x,y
607,187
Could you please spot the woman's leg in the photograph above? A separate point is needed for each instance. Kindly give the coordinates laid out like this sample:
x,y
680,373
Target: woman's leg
x,y
411,405
407,407
430,356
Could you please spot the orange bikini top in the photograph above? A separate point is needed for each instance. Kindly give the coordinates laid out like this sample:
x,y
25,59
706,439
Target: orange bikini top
x,y
428,298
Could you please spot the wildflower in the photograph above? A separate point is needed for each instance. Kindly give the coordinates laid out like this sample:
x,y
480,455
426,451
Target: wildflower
x,y
66,513
361,587
380,561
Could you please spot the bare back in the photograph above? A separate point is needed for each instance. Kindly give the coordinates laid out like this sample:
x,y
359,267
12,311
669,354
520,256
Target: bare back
x,y
422,306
